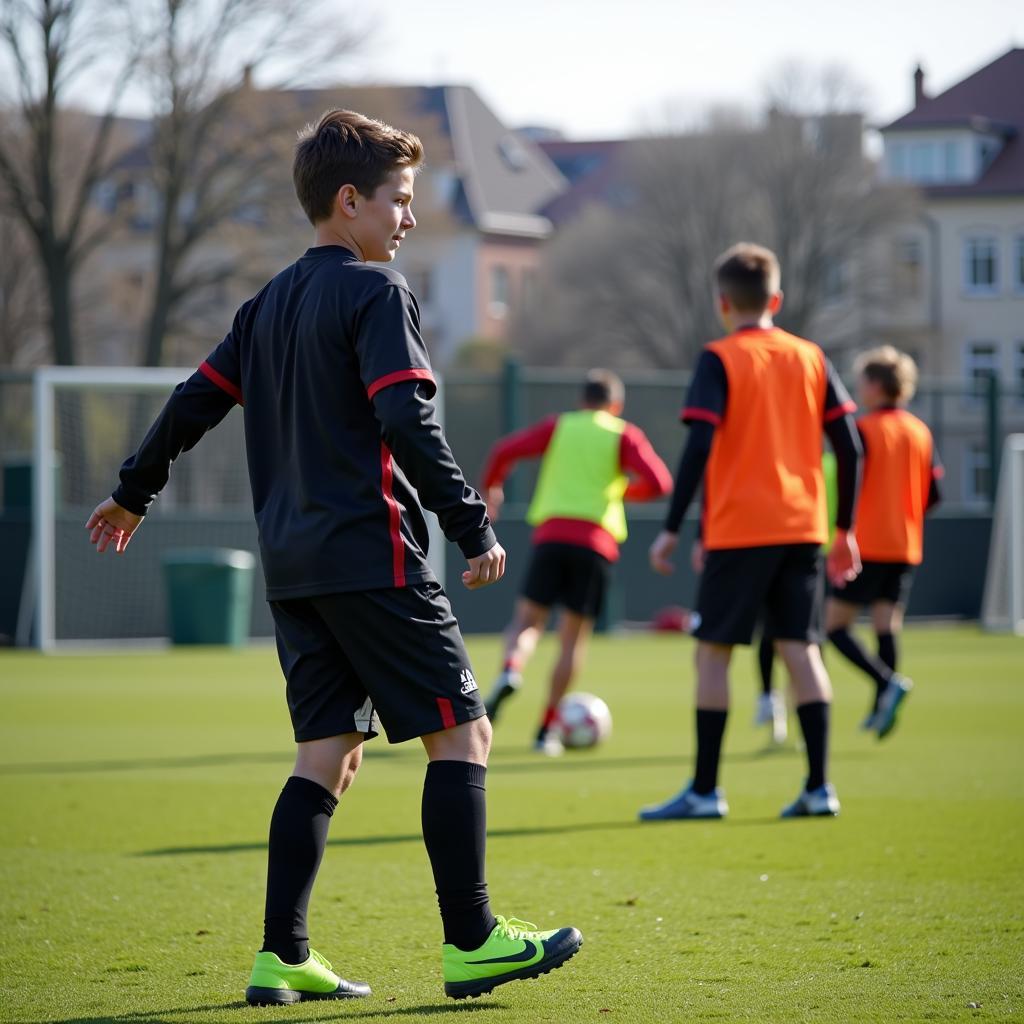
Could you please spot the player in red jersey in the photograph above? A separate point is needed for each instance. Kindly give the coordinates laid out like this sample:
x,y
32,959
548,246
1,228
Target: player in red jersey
x,y
592,461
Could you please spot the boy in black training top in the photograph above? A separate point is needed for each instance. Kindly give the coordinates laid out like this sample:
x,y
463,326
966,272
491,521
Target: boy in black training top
x,y
340,425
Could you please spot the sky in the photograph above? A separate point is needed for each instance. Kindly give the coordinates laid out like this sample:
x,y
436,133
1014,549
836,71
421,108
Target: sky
x,y
604,69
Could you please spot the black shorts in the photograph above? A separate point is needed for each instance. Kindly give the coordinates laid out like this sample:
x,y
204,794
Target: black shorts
x,y
568,575
397,654
878,581
780,585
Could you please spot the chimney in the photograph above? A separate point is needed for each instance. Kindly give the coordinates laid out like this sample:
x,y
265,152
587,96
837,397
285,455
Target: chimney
x,y
247,77
919,96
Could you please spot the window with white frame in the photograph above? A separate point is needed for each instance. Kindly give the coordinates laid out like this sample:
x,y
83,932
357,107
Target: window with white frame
x,y
976,477
498,305
931,161
981,265
981,361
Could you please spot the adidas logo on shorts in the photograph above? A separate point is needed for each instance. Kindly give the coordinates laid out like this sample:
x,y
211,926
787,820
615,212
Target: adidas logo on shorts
x,y
468,682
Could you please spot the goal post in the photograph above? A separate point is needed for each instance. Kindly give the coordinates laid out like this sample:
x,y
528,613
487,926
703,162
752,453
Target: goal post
x,y
86,421
50,454
1003,604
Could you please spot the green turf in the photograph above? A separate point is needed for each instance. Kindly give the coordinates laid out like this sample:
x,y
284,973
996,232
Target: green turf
x,y
136,791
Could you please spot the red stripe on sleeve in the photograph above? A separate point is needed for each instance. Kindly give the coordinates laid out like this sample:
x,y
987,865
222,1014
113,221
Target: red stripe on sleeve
x,y
444,705
839,410
387,476
693,413
221,381
396,378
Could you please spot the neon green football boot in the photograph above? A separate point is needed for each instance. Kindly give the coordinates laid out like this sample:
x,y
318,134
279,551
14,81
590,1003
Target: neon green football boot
x,y
274,982
513,950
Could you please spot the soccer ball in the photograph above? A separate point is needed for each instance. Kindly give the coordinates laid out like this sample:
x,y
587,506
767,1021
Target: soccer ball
x,y
583,720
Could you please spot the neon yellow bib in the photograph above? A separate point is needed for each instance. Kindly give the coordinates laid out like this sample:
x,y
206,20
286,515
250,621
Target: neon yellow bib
x,y
580,475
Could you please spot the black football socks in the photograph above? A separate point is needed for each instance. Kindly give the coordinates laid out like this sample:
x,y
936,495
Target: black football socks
x,y
455,834
298,835
814,725
710,729
887,650
853,650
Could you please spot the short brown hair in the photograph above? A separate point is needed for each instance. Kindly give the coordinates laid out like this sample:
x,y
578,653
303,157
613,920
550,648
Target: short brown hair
x,y
748,275
893,370
602,387
346,148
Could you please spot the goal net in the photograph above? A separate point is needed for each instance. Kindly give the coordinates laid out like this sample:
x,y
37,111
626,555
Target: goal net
x,y
1003,604
86,421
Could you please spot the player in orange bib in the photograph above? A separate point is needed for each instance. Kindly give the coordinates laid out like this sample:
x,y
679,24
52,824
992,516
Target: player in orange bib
x,y
758,404
901,474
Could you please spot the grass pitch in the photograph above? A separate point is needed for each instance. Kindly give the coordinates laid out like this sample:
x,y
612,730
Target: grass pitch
x,y
137,788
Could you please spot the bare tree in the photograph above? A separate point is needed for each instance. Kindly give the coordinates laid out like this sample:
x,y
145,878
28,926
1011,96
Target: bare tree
x,y
809,91
219,145
52,158
21,313
631,286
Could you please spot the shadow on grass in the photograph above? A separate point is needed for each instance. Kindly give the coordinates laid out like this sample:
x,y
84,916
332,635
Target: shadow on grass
x,y
501,761
172,1016
399,838
132,764
427,1009
395,839
176,1016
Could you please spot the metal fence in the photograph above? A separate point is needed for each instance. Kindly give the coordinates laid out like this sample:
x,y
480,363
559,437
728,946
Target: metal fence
x,y
968,420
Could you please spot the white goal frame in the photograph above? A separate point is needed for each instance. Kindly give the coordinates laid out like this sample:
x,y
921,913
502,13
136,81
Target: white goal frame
x,y
1006,564
41,573
38,602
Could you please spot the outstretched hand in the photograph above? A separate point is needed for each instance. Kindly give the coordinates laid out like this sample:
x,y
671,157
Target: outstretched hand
x,y
485,569
661,552
111,524
843,562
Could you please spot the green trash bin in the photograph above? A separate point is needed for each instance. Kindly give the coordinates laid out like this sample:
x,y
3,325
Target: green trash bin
x,y
209,595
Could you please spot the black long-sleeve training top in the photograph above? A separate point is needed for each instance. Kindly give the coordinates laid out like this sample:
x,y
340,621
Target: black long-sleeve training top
x,y
340,428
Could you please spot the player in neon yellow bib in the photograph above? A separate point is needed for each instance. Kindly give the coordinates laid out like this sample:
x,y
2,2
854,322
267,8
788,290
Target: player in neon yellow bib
x,y
593,462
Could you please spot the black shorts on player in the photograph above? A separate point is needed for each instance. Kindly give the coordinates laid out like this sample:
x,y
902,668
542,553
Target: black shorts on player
x,y
393,653
878,581
779,584
569,575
